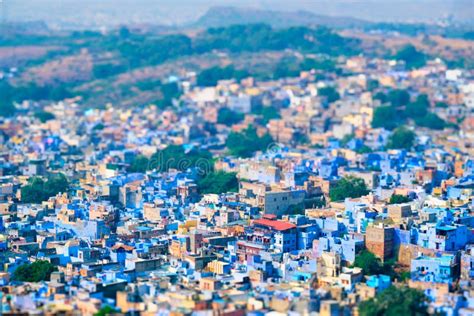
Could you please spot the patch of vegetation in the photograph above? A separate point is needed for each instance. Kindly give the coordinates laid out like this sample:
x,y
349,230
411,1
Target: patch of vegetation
x,y
175,157
139,164
401,138
411,56
209,77
330,93
396,301
107,310
364,150
38,190
257,37
398,97
169,91
44,116
102,71
399,199
386,117
34,272
268,113
418,108
431,121
228,117
218,182
10,94
348,187
369,263
247,142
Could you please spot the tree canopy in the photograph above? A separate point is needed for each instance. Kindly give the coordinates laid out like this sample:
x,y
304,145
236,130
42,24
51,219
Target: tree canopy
x,y
411,56
106,310
247,142
210,76
431,121
401,138
369,263
218,182
44,116
395,301
175,157
398,97
30,91
228,117
38,190
418,108
348,187
34,272
398,199
139,164
330,93
268,113
385,117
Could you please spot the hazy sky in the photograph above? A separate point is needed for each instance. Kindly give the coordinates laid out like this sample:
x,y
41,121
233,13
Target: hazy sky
x,y
76,13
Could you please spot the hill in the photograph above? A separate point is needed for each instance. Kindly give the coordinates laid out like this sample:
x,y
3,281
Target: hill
x,y
225,16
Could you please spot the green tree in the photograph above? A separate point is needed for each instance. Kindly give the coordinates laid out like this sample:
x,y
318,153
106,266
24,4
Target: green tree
x,y
287,67
175,157
382,97
44,116
330,93
247,142
38,190
398,97
348,187
401,138
418,108
398,199
139,164
385,117
411,56
218,182
395,301
369,263
169,91
55,184
326,64
228,117
363,150
431,121
34,272
372,84
106,310
209,77
102,71
268,113
7,108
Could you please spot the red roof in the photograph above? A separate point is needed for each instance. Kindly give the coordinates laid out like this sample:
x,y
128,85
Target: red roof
x,y
269,216
277,225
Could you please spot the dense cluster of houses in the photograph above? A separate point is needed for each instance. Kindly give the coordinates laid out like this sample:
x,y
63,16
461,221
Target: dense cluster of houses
x,y
150,241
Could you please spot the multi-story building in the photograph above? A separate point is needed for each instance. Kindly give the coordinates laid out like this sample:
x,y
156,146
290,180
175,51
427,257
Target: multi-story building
x,y
379,240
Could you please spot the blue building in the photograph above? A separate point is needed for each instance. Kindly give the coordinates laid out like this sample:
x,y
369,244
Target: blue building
x,y
440,269
379,282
